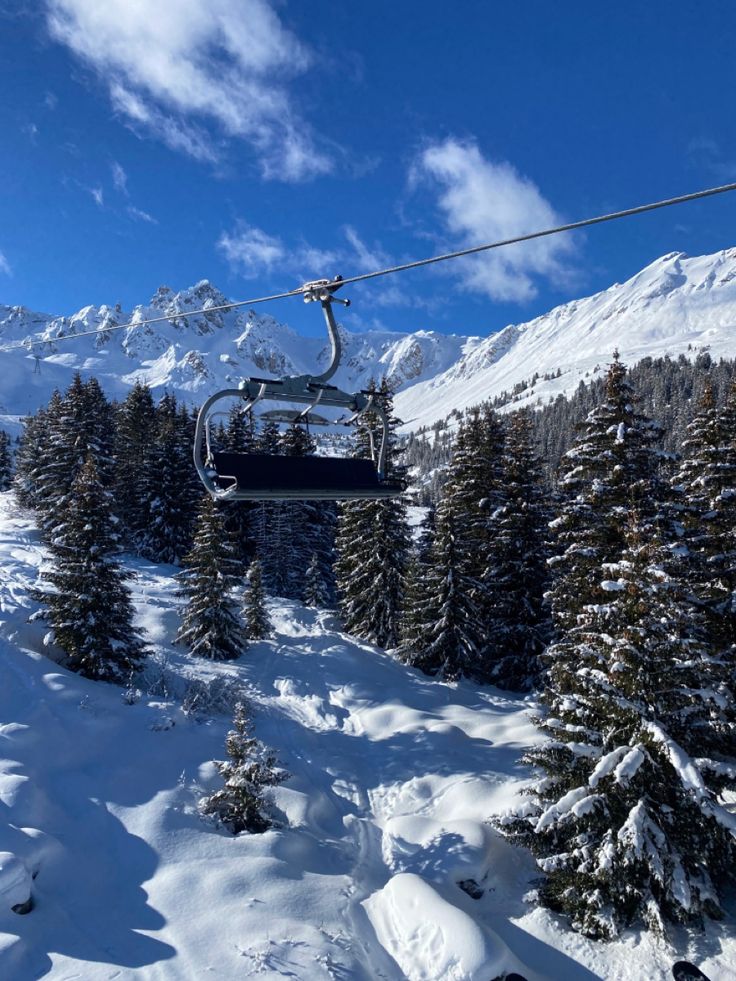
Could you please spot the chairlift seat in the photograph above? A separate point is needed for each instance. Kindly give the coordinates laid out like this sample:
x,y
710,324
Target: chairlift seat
x,y
258,477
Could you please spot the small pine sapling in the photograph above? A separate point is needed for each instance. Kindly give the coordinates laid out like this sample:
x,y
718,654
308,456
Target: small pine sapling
x,y
257,622
251,768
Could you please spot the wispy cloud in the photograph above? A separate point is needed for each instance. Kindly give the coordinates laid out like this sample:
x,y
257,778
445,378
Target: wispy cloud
x,y
252,252
31,131
138,214
5,267
50,101
481,200
98,196
119,177
177,66
707,154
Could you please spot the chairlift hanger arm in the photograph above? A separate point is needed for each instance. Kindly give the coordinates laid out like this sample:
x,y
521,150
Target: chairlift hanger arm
x,y
232,476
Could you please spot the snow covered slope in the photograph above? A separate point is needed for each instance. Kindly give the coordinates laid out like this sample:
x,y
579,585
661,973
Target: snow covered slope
x,y
676,305
393,777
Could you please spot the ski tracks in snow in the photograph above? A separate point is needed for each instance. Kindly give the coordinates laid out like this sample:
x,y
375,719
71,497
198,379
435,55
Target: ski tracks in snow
x,y
374,755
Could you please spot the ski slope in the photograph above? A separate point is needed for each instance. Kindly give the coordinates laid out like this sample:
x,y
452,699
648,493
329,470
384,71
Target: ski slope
x,y
393,777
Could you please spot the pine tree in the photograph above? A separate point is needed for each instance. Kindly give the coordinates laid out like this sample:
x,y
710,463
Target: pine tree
x,y
372,547
88,604
612,468
6,462
284,537
135,436
210,626
79,426
440,627
515,578
170,490
251,768
315,591
32,458
706,480
627,820
257,622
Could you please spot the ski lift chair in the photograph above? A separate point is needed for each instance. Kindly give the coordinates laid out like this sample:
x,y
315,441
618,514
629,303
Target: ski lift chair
x,y
262,477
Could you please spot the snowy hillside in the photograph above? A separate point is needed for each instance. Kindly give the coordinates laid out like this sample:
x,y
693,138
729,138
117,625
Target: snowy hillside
x,y
675,305
393,777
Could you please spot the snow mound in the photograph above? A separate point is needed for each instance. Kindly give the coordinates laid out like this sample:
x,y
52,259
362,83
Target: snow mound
x,y
451,851
430,938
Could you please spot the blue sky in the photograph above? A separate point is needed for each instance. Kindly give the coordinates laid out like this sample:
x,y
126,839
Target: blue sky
x,y
259,143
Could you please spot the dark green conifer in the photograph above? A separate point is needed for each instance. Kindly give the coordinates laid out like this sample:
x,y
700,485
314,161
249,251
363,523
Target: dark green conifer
x,y
135,436
612,468
210,625
6,462
516,622
88,604
440,627
706,480
171,489
315,590
372,547
257,622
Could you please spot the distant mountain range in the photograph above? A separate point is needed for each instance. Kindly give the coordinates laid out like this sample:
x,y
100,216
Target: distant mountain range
x,y
676,305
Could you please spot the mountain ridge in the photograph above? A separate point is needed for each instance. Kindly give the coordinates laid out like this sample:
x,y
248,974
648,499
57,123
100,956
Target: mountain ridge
x,y
676,305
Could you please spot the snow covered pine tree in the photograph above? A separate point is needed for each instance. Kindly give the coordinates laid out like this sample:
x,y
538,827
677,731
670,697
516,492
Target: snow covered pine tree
x,y
242,804
611,468
706,480
88,604
516,623
440,626
372,549
6,462
628,822
257,623
210,625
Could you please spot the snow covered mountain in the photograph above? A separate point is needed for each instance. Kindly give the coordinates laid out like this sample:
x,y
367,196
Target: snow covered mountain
x,y
675,305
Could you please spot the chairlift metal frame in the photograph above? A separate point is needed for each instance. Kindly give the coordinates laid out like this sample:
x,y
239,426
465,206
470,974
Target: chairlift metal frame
x,y
257,477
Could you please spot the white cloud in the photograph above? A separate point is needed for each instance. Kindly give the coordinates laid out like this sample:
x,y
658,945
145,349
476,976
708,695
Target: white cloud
x,y
138,214
176,65
366,259
250,250
251,253
98,196
119,177
5,266
484,201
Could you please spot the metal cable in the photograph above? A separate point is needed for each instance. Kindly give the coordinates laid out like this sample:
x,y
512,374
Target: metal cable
x,y
472,250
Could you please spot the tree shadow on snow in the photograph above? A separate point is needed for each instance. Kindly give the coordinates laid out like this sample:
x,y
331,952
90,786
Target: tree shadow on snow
x,y
89,901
